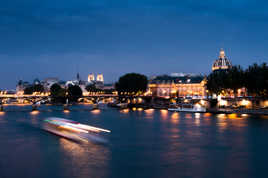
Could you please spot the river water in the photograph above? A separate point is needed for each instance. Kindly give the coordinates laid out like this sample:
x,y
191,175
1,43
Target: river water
x,y
151,143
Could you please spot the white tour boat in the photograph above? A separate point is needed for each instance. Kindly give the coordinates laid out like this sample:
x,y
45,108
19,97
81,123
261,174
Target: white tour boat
x,y
189,108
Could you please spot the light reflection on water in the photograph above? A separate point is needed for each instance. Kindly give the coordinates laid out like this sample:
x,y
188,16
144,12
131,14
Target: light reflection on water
x,y
264,116
164,114
66,111
175,117
96,111
34,112
207,114
197,115
222,123
85,158
149,113
197,121
188,116
125,111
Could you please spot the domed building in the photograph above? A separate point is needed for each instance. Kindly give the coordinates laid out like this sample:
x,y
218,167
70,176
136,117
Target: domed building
x,y
222,63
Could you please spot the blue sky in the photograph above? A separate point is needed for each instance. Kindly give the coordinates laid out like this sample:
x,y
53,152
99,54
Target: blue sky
x,y
58,38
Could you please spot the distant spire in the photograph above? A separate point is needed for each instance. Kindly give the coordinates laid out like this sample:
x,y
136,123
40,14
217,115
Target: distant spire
x,y
78,77
222,54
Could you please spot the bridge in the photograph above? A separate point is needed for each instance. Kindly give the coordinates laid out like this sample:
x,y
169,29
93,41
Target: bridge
x,y
36,97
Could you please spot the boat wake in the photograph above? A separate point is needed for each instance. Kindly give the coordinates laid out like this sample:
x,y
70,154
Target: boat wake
x,y
75,131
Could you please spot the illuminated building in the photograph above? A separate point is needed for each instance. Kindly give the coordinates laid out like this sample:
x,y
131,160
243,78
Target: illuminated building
x,y
99,78
91,78
181,86
222,63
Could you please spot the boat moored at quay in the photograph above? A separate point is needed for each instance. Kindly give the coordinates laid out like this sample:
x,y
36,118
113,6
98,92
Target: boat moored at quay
x,y
189,108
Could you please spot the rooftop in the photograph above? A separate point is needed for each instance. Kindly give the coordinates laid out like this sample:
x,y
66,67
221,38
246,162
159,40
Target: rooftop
x,y
179,79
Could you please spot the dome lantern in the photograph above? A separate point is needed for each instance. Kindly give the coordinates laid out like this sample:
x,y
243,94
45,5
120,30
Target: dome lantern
x,y
222,63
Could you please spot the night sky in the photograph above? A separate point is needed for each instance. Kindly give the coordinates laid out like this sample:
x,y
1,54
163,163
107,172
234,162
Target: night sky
x,y
58,38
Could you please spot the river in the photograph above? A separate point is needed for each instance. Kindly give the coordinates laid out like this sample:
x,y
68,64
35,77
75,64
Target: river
x,y
151,143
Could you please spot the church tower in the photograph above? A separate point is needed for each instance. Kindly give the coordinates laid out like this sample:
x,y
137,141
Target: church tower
x,y
100,78
91,78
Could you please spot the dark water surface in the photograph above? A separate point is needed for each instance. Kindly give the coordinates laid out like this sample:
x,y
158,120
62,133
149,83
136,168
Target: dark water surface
x,y
142,144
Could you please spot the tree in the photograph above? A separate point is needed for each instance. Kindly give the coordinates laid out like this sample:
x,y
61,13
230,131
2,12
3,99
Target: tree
x,y
225,80
74,93
216,81
234,79
38,88
257,80
254,79
92,88
58,94
28,90
33,88
132,83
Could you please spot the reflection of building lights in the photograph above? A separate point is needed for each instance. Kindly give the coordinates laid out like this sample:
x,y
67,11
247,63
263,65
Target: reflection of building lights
x,y
124,111
175,118
264,116
149,111
197,121
232,116
197,115
96,111
34,112
188,116
134,109
221,116
207,114
140,109
222,124
164,113
175,115
2,113
66,111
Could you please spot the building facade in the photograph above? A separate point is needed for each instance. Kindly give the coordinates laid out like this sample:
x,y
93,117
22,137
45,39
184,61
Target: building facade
x,y
182,86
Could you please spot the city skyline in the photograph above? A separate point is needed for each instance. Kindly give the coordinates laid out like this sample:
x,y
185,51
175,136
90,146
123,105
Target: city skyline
x,y
59,39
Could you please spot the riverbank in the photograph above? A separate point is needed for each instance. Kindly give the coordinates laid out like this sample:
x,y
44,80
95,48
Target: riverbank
x,y
239,111
91,107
